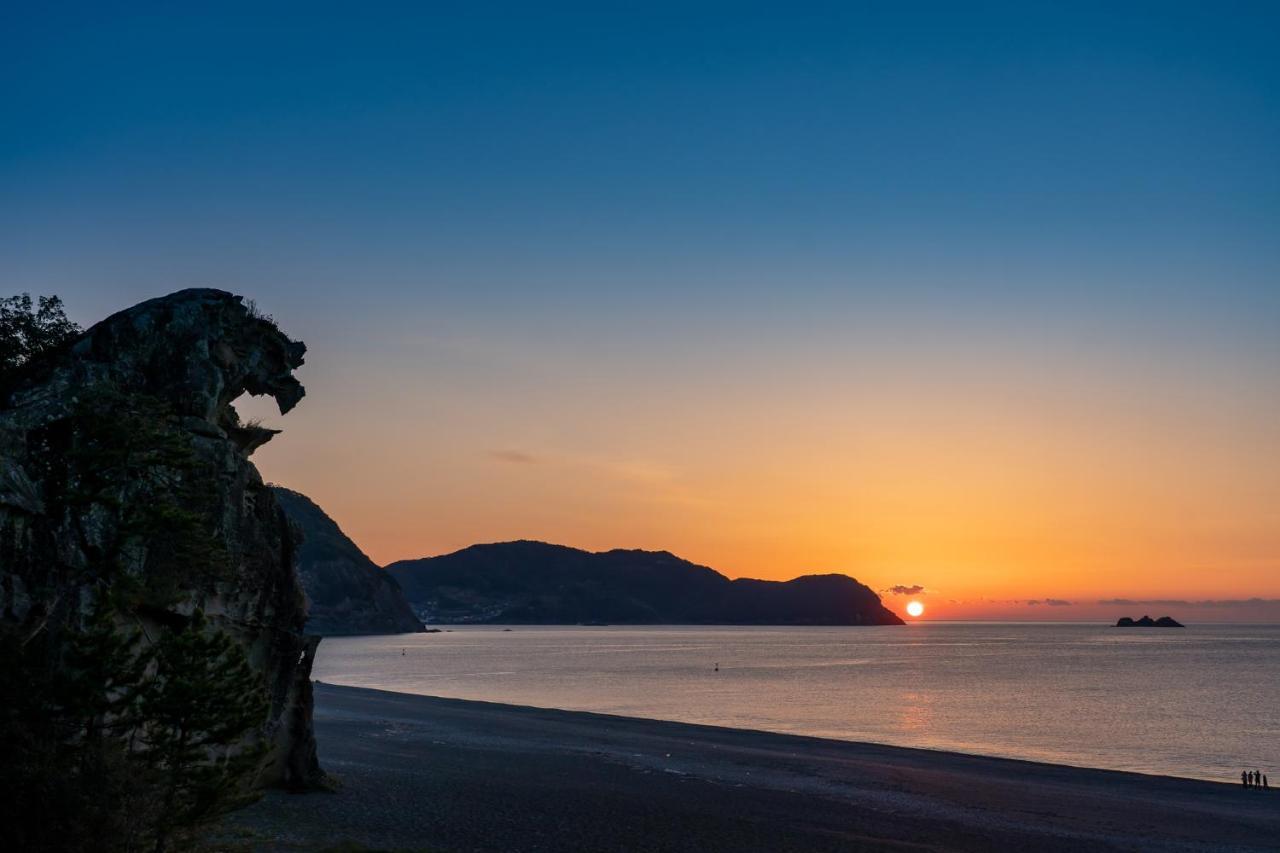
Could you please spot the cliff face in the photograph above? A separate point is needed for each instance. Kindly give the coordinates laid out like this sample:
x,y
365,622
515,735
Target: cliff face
x,y
128,434
538,583
347,593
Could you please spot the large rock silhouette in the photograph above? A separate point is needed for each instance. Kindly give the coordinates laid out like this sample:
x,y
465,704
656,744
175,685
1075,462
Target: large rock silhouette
x,y
169,367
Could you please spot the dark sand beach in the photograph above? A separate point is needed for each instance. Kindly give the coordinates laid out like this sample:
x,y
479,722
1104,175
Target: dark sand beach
x,y
421,773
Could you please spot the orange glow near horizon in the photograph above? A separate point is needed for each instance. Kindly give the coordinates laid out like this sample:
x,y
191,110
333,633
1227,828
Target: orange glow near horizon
x,y
996,492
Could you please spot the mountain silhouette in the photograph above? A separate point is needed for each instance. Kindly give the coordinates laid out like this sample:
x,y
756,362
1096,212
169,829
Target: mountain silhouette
x,y
346,591
530,582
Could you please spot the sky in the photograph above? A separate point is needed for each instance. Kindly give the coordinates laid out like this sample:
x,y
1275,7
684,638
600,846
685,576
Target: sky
x,y
980,299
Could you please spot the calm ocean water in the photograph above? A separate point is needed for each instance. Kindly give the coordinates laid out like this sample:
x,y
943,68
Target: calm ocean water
x,y
1200,702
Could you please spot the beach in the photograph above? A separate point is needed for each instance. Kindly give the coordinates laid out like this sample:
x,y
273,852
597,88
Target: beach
x,y
424,773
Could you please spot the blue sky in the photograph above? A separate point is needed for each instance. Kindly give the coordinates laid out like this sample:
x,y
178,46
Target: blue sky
x,y
568,208
484,139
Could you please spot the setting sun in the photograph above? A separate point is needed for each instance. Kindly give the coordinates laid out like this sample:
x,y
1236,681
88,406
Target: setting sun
x,y
914,608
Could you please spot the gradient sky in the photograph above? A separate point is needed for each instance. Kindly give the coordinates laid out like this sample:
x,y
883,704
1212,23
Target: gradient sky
x,y
983,299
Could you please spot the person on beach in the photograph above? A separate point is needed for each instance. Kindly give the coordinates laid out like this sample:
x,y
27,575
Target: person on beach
x,y
1244,779
1265,786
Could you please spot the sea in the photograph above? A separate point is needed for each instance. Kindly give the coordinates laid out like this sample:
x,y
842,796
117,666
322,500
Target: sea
x,y
1200,702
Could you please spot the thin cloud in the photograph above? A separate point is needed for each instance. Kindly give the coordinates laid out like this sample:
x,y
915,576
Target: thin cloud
x,y
1225,603
516,457
643,479
1130,602
652,481
903,589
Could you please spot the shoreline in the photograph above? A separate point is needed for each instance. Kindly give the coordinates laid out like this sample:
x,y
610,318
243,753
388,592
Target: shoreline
x,y
417,772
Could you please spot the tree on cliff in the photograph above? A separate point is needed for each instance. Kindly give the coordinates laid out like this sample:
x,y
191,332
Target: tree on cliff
x,y
66,773
28,329
122,745
204,697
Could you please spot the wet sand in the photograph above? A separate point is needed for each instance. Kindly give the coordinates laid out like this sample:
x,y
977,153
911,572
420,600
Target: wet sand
x,y
421,773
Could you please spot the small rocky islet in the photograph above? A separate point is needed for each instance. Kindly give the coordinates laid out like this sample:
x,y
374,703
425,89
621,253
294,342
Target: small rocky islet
x,y
1148,622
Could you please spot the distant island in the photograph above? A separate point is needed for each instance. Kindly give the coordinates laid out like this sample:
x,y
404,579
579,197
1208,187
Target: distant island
x,y
1148,622
530,583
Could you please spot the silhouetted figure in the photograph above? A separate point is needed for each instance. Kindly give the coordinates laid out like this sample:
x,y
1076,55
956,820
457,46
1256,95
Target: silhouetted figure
x,y
1265,786
402,652
717,666
1244,779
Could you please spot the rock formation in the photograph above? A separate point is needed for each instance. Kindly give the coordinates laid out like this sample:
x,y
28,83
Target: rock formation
x,y
347,593
538,583
127,433
1148,622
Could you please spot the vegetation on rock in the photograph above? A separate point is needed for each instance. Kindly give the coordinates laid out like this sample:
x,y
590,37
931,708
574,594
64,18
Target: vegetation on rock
x,y
30,329
113,744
